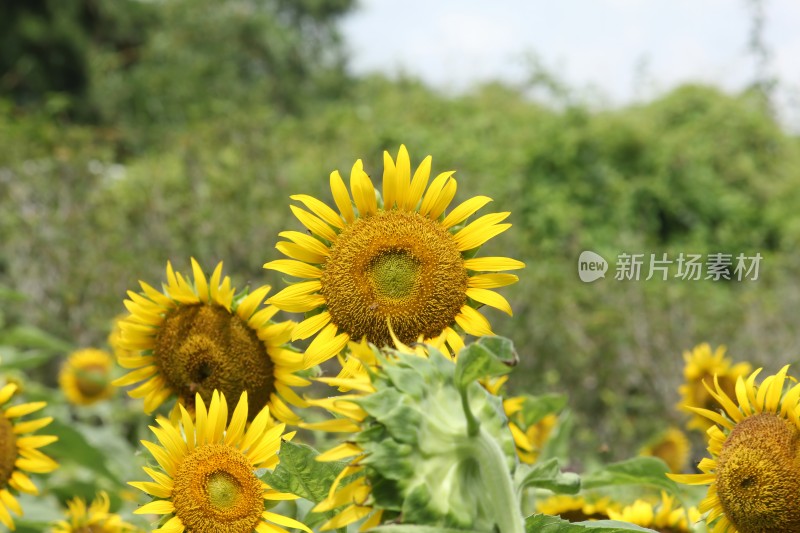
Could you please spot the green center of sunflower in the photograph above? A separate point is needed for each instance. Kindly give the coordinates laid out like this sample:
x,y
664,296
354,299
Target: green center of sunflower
x,y
201,347
91,380
394,265
758,475
8,450
216,491
393,274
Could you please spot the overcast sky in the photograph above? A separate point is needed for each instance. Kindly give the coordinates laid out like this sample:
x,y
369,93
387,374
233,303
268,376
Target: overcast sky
x,y
600,43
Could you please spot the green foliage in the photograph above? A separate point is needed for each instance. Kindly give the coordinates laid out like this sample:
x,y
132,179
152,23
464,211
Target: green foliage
x,y
639,471
548,475
549,524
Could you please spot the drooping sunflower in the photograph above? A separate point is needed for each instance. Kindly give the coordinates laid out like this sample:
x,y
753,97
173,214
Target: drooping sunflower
x,y
208,482
672,447
19,452
85,377
393,259
95,518
754,469
203,337
577,508
701,366
664,517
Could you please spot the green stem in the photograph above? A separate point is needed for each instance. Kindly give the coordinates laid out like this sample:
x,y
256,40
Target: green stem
x,y
499,485
473,424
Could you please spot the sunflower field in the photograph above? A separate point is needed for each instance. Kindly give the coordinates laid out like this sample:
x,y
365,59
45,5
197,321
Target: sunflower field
x,y
243,290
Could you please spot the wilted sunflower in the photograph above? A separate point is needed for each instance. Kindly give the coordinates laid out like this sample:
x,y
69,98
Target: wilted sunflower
x,y
754,470
577,508
672,447
85,377
19,452
208,482
203,337
664,517
94,519
701,366
398,259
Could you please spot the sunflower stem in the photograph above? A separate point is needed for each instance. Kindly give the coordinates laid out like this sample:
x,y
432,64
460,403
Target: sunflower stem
x,y
499,485
473,424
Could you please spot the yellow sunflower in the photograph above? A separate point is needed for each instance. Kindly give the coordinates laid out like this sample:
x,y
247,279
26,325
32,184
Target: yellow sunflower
x,y
754,469
207,482
94,519
19,452
701,366
664,517
115,338
85,377
672,447
203,337
577,508
398,259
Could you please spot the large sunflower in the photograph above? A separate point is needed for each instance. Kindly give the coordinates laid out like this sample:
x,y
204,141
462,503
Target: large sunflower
x,y
395,259
754,469
203,337
702,364
95,518
19,452
208,482
85,377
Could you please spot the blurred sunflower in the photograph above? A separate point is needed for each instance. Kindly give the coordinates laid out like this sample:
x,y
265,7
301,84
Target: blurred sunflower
x,y
701,366
201,337
664,517
672,447
754,469
400,260
85,377
207,482
94,519
19,452
577,508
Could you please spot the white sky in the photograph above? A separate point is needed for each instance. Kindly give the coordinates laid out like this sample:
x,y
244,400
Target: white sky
x,y
600,43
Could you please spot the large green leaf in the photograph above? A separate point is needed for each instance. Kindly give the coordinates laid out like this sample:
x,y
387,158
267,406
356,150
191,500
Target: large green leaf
x,y
300,473
488,357
548,475
552,524
646,471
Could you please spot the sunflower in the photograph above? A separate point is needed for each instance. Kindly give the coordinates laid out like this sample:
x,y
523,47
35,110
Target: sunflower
x,y
85,377
115,338
701,366
664,517
672,447
203,337
94,519
398,259
207,482
754,469
577,508
19,452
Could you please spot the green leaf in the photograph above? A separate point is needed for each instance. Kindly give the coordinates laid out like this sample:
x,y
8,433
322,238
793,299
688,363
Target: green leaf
x,y
488,357
300,473
12,358
549,476
647,471
32,337
541,523
535,408
72,447
419,529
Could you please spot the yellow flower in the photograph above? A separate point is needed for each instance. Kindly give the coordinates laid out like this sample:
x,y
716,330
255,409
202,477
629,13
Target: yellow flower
x,y
754,469
85,377
115,338
207,481
203,337
577,508
19,452
701,366
400,261
664,517
672,447
94,519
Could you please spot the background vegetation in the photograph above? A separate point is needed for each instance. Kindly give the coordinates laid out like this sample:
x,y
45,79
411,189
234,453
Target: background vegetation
x,y
137,132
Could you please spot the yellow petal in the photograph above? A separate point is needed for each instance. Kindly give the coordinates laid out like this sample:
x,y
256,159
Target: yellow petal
x,y
473,322
320,209
341,197
156,507
491,299
492,264
464,211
